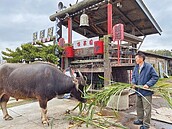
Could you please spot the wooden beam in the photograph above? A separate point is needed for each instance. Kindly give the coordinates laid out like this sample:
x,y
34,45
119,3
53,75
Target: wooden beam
x,y
132,38
97,29
91,70
114,64
129,21
87,61
75,8
80,30
107,67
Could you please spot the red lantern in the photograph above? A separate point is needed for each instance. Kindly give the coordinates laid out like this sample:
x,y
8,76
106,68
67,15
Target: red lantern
x,y
69,53
98,47
118,32
61,42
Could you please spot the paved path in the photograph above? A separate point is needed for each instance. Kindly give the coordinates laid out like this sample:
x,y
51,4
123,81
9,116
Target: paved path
x,y
27,116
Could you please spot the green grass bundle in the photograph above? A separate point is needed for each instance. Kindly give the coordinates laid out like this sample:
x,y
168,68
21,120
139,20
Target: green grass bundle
x,y
101,98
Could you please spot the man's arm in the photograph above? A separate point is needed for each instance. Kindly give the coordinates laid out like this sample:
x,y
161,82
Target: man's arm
x,y
154,77
133,83
134,76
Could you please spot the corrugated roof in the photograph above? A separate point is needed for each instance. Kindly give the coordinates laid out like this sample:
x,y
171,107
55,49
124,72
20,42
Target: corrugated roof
x,y
156,55
133,14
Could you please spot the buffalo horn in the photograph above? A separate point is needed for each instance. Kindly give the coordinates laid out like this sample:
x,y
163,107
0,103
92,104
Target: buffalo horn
x,y
85,78
80,74
75,81
71,73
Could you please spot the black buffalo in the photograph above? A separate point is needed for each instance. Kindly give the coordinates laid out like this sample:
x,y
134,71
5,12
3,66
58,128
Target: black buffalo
x,y
39,81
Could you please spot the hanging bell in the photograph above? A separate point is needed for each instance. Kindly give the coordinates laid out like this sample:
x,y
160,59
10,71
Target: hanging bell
x,y
84,20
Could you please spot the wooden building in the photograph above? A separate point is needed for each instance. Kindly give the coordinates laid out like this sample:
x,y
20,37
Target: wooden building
x,y
119,26
160,62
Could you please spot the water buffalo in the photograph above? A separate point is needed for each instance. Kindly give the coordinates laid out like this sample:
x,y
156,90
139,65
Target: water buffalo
x,y
37,81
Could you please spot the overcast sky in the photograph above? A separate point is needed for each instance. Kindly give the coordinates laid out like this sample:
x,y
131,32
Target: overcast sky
x,y
19,19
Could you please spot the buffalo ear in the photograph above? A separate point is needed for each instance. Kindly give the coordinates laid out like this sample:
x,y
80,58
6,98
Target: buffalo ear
x,y
83,78
80,74
75,81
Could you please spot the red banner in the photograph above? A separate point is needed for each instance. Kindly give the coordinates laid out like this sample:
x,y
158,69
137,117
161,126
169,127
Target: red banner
x,y
118,32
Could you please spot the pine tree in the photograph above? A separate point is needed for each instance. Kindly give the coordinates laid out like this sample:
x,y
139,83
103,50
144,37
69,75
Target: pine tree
x,y
30,53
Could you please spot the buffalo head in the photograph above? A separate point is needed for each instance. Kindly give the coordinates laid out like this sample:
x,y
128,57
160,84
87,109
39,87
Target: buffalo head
x,y
78,91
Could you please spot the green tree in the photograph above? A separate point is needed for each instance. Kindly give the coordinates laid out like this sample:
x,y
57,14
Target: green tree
x,y
12,56
29,53
161,52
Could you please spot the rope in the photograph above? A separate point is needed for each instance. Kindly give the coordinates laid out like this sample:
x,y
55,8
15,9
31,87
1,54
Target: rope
x,y
92,75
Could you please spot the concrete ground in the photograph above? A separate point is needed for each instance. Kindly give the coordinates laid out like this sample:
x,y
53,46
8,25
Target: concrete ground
x,y
27,116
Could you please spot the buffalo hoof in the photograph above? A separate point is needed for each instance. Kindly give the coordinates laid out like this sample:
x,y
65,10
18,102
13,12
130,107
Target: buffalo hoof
x,y
67,111
8,117
45,123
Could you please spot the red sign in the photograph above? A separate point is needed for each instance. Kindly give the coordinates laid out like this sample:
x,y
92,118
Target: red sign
x,y
98,47
85,43
61,42
118,32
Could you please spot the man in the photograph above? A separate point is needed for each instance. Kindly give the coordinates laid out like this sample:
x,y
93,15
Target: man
x,y
143,75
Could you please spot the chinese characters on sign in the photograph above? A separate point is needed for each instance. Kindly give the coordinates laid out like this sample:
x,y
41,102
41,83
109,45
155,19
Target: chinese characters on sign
x,y
50,33
42,37
42,34
35,36
85,43
118,35
118,32
84,52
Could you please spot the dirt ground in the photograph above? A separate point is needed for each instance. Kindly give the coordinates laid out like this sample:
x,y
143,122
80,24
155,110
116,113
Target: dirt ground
x,y
27,116
127,118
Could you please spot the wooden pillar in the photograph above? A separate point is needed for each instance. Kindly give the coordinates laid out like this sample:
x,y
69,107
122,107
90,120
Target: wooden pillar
x,y
107,67
109,18
69,30
66,60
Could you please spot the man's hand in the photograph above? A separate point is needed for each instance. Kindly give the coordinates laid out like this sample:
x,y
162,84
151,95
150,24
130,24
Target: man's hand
x,y
146,86
133,86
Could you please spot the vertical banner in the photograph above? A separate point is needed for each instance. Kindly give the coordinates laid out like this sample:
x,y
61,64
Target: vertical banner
x,y
118,35
42,36
118,32
58,26
50,34
35,37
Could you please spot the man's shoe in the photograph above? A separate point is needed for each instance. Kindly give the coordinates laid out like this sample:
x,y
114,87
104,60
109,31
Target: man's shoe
x,y
144,127
138,122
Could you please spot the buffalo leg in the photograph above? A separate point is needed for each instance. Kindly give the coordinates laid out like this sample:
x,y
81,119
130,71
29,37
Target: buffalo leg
x,y
43,105
4,101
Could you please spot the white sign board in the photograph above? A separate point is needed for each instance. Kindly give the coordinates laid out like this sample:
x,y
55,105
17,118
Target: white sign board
x,y
85,43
